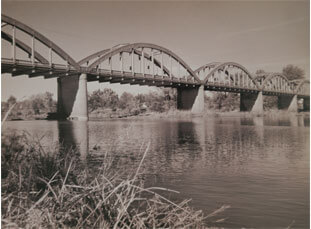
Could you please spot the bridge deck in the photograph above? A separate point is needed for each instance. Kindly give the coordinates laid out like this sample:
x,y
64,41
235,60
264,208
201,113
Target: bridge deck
x,y
21,67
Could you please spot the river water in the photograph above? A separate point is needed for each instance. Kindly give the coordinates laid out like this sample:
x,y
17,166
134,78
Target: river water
x,y
257,165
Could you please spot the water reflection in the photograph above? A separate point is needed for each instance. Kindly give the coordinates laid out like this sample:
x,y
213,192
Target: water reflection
x,y
295,120
74,135
197,135
258,165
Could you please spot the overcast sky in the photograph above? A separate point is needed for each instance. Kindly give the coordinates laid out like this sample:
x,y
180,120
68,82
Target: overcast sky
x,y
258,35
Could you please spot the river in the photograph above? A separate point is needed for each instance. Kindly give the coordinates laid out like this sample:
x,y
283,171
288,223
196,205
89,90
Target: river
x,y
257,165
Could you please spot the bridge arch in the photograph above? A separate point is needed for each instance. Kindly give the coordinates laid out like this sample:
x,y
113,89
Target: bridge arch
x,y
303,87
236,73
279,82
93,56
133,48
97,55
207,66
39,37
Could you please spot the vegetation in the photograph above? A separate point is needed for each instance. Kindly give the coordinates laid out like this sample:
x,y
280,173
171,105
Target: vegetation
x,y
260,71
103,99
223,101
100,103
129,104
37,106
293,72
50,188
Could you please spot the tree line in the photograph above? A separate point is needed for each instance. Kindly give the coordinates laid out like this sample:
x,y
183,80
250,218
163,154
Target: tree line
x,y
160,101
36,106
99,101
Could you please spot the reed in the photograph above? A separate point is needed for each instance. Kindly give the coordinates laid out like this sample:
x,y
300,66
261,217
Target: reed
x,y
52,189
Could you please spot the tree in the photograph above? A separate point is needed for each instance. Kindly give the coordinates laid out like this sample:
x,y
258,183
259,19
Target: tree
x,y
127,101
41,103
155,102
140,99
110,98
225,101
11,100
4,108
49,103
8,105
293,72
106,98
95,100
219,99
260,71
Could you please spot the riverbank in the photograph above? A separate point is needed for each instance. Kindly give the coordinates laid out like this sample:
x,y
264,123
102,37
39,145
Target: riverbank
x,y
188,114
50,187
173,113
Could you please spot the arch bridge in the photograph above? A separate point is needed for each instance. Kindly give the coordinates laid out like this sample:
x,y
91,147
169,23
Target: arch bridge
x,y
33,54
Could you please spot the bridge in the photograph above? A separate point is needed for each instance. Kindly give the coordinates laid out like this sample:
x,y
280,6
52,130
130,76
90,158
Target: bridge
x,y
35,55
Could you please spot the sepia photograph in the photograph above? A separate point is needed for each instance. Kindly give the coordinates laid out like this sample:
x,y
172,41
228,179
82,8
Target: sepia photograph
x,y
155,114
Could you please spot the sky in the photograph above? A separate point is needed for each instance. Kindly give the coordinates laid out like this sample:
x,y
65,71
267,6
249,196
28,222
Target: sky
x,y
264,35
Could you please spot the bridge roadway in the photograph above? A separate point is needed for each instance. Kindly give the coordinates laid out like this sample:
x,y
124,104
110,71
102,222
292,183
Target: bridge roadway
x,y
22,67
141,64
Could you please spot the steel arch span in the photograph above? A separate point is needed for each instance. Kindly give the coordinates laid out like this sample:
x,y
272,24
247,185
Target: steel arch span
x,y
93,57
303,88
153,59
277,82
35,37
227,73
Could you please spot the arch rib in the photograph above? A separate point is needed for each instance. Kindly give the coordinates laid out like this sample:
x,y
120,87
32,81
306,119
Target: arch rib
x,y
41,38
212,65
221,65
272,75
302,82
24,47
93,56
130,47
156,62
137,52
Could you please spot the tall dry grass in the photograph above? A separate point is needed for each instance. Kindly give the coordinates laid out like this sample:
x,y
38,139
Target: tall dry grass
x,y
53,189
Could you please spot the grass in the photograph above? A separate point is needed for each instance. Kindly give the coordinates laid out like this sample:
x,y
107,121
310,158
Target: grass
x,y
51,188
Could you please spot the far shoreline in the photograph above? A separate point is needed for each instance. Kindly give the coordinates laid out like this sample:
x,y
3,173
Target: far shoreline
x,y
174,114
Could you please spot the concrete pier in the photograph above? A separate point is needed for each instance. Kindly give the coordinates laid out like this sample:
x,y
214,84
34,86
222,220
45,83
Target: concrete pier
x,y
72,97
288,103
251,102
191,99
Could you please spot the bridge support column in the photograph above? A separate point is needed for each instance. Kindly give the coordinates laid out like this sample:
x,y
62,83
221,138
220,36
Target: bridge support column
x,y
288,103
191,99
72,97
251,102
306,104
